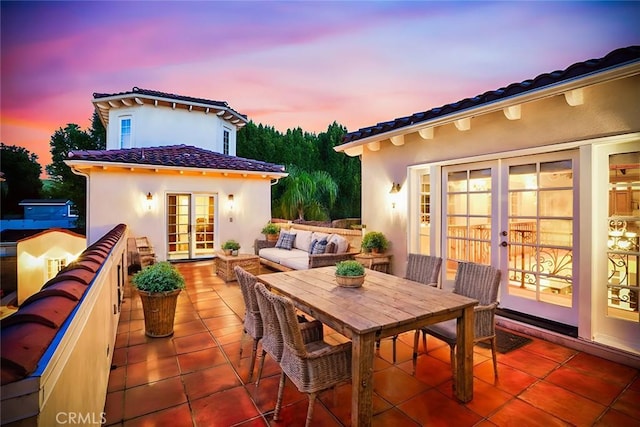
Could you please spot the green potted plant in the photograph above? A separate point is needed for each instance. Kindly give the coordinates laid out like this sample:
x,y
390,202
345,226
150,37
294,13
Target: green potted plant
x,y
349,274
231,247
158,286
271,231
375,241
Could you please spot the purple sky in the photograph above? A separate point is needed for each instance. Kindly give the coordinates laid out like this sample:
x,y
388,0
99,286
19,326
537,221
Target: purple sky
x,y
286,64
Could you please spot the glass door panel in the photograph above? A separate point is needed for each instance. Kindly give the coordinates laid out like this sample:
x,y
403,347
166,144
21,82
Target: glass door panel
x,y
178,225
204,207
539,237
468,213
623,253
425,214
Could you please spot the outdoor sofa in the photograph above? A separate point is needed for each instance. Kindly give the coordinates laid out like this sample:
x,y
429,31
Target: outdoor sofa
x,y
294,250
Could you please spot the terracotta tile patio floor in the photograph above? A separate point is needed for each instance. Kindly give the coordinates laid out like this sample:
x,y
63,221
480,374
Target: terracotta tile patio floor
x,y
196,377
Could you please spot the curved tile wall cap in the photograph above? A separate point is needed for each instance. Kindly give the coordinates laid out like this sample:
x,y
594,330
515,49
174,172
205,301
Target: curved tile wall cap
x,y
69,288
22,347
50,311
27,334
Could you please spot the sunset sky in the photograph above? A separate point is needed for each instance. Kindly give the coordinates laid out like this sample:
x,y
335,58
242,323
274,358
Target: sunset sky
x,y
286,64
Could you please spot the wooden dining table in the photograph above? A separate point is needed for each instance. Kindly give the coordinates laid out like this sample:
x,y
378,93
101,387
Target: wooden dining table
x,y
384,306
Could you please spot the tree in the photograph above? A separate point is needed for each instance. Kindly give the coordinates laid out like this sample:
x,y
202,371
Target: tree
x,y
66,184
310,153
307,195
21,172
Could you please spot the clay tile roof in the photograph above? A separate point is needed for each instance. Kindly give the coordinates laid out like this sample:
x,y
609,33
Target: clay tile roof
x,y
159,94
182,156
27,334
615,58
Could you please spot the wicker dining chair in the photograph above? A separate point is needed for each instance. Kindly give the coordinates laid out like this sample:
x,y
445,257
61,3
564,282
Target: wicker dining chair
x,y
311,367
475,281
272,341
420,268
253,325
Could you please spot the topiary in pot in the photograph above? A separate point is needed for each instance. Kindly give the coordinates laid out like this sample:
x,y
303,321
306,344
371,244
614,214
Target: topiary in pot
x,y
374,241
158,286
349,274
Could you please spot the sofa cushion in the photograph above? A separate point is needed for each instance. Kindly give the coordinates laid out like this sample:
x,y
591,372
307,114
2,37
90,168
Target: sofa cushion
x,y
297,262
303,240
319,236
341,243
278,255
285,241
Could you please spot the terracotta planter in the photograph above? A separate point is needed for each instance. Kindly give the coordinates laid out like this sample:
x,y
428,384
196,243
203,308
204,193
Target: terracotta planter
x,y
272,237
159,312
350,281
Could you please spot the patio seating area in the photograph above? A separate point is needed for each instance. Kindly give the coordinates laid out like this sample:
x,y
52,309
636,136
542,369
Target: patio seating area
x,y
197,378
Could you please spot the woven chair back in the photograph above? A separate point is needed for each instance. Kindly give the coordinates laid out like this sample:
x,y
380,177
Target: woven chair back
x,y
272,341
424,269
477,281
252,317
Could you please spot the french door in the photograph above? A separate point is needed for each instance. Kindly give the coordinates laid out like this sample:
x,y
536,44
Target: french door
x,y
190,225
517,215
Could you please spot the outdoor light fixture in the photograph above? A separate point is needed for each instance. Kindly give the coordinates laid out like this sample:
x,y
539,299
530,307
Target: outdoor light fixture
x,y
395,188
149,202
230,206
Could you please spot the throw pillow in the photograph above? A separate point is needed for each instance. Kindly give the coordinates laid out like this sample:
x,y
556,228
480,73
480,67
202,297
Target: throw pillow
x,y
313,244
341,243
320,247
285,241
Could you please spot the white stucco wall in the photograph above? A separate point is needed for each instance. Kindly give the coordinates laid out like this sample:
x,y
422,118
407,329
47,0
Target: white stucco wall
x,y
120,197
159,126
609,109
34,252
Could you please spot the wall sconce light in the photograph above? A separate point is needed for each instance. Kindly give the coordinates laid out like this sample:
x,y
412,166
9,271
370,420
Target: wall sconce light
x,y
230,206
149,200
395,189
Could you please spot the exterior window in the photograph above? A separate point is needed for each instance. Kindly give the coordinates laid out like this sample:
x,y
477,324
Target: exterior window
x,y
622,241
225,141
125,132
54,265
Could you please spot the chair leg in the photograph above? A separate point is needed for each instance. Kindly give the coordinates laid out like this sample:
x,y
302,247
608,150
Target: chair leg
x,y
453,363
264,354
494,350
252,363
276,412
424,341
312,401
244,334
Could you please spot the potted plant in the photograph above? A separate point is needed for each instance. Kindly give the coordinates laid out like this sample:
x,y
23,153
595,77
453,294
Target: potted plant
x,y
271,231
158,286
349,274
231,247
375,241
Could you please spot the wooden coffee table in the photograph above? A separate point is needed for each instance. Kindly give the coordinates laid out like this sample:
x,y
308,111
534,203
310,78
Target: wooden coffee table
x,y
224,265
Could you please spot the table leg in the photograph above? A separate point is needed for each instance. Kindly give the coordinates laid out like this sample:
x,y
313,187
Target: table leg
x,y
464,356
362,379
